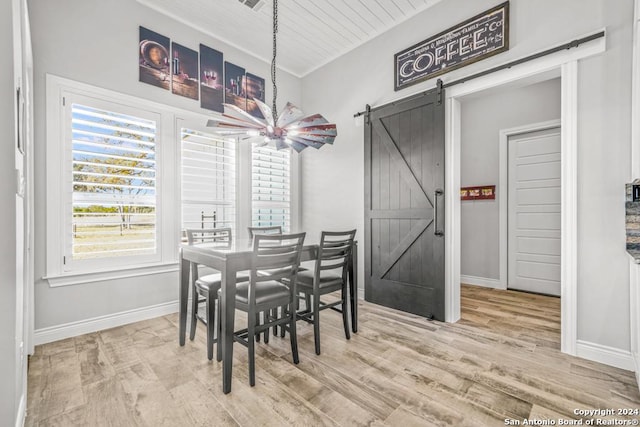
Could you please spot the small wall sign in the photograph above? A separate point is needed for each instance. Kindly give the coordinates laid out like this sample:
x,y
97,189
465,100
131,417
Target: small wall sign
x,y
477,38
484,192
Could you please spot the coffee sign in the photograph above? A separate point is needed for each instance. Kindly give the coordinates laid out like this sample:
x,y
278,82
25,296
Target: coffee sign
x,y
477,38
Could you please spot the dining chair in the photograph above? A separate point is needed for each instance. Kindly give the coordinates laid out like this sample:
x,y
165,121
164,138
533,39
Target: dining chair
x,y
329,275
271,229
275,229
205,289
278,256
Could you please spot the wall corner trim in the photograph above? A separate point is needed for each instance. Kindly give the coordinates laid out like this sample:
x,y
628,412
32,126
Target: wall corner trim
x,y
73,329
636,364
603,354
22,411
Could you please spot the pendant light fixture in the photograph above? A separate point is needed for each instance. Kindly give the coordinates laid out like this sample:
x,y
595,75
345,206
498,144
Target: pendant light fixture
x,y
291,129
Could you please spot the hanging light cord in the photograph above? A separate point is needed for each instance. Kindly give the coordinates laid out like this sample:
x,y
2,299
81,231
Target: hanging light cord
x,y
273,60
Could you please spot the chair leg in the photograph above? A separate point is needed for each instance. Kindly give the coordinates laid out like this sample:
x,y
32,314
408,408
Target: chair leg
x,y
251,337
307,302
316,321
265,316
211,316
282,328
194,312
257,323
274,315
293,334
219,326
345,314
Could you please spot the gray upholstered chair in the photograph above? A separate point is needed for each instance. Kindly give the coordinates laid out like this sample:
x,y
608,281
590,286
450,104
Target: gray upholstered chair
x,y
205,289
329,275
278,256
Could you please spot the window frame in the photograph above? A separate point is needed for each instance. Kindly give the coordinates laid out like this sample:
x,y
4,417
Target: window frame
x,y
169,185
60,95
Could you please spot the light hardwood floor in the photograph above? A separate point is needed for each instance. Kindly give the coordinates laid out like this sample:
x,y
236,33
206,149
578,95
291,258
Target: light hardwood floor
x,y
501,361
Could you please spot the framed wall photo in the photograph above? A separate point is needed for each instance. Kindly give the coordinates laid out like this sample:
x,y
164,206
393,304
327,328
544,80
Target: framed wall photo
x,y
184,71
153,59
211,79
234,85
255,87
483,192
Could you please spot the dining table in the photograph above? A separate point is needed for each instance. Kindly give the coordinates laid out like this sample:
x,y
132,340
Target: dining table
x,y
230,258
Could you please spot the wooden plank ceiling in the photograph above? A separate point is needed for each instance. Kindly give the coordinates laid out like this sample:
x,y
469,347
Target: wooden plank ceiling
x,y
311,33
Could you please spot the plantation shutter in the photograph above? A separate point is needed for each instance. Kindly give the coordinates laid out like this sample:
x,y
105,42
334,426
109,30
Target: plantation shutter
x,y
271,188
208,181
114,184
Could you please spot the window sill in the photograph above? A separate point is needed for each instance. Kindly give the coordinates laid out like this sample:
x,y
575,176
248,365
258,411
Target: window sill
x,y
69,279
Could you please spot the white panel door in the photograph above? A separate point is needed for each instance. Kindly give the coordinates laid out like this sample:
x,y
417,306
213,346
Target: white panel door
x,y
534,212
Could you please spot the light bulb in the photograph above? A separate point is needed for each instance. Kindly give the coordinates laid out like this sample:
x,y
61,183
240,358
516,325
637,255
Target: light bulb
x,y
253,133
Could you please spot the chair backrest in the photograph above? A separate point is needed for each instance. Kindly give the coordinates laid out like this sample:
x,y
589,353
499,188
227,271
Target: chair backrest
x,y
208,235
335,251
276,256
276,229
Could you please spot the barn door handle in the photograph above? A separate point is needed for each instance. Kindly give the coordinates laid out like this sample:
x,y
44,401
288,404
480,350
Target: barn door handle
x,y
438,192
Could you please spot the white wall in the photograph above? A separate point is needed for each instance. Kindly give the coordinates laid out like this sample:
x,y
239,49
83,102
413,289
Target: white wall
x,y
96,42
333,185
9,390
483,116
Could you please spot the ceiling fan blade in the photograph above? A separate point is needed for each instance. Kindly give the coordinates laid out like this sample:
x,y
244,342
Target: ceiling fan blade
x,y
290,114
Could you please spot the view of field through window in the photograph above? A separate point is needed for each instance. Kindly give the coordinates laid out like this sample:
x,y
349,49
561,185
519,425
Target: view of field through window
x,y
114,184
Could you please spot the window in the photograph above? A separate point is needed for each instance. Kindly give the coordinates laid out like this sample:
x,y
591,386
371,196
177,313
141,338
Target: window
x,y
106,211
208,181
126,176
271,188
113,184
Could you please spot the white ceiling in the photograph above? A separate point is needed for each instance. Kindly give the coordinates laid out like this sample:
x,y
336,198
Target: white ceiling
x,y
311,33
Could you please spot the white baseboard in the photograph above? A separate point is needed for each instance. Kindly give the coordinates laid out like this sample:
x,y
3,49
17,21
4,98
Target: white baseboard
x,y
22,410
73,329
481,281
608,355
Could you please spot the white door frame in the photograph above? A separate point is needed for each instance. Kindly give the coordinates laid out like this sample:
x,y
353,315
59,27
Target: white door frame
x,y
503,185
566,63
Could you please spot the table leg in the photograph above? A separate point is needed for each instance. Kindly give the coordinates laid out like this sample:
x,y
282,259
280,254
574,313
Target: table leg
x,y
227,315
185,266
353,288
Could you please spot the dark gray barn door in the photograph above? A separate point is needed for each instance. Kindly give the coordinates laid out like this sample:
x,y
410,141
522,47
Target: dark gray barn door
x,y
404,206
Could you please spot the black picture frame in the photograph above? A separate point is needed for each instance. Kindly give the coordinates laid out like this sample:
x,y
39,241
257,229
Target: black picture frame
x,y
184,71
153,59
234,85
211,79
255,89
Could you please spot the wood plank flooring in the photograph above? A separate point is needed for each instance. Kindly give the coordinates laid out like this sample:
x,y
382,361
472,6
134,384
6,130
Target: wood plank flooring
x,y
500,362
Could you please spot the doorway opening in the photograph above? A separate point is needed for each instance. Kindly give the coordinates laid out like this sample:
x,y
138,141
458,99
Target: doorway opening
x,y
560,64
510,140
